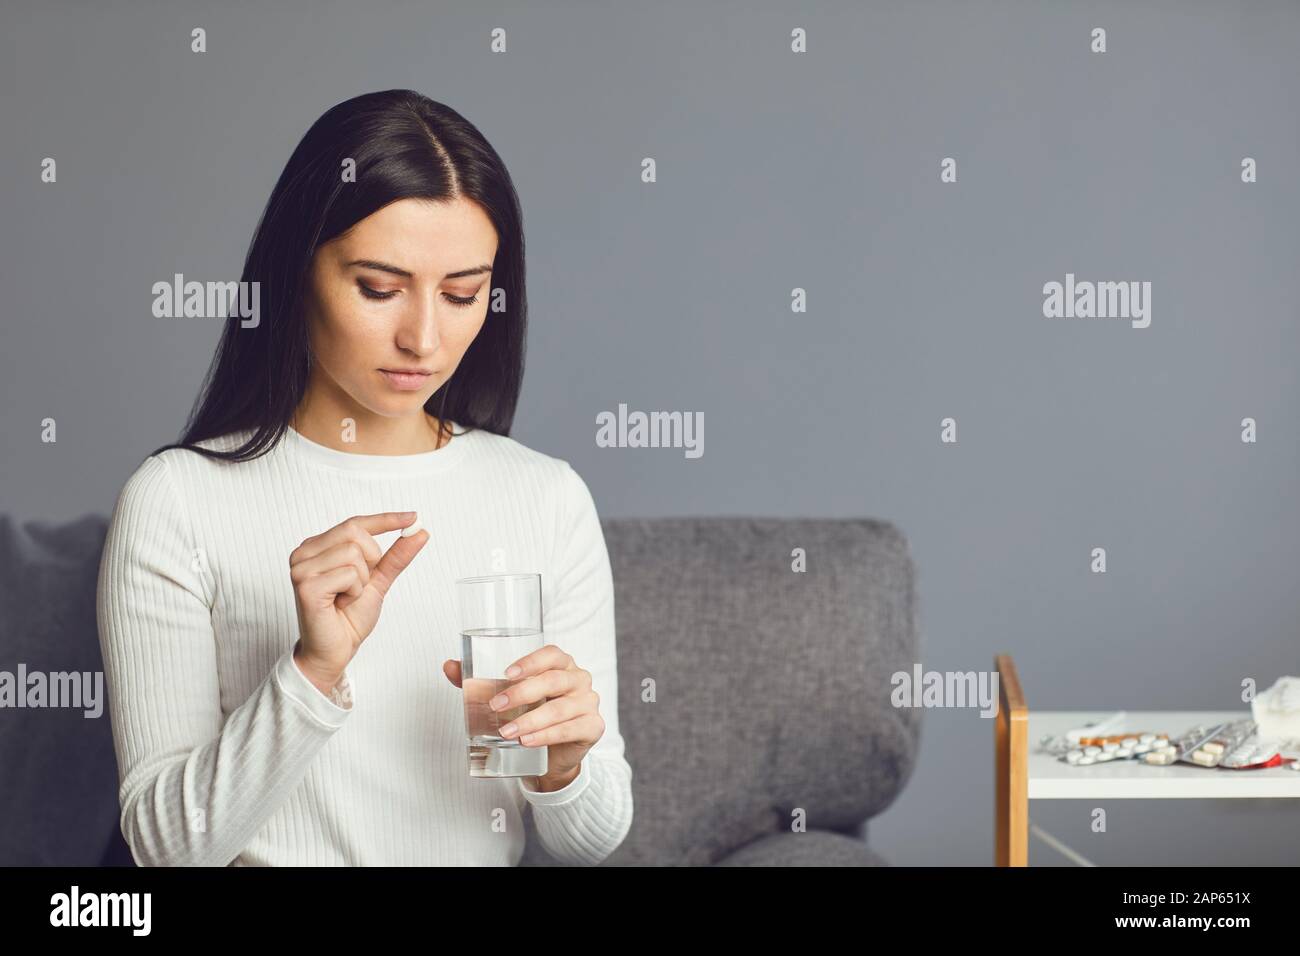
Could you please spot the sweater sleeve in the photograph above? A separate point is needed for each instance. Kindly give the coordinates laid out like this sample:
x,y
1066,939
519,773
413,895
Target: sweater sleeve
x,y
195,787
585,821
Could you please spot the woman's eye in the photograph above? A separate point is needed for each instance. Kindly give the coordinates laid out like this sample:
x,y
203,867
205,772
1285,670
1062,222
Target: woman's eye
x,y
458,300
370,293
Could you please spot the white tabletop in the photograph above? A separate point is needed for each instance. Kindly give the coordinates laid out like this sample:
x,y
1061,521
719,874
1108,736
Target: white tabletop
x,y
1054,779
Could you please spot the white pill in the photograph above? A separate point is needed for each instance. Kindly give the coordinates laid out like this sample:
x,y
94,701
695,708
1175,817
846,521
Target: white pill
x,y
1085,760
1142,748
1105,755
1091,751
1124,752
1205,759
1129,742
1147,738
413,528
1110,747
1159,757
1213,747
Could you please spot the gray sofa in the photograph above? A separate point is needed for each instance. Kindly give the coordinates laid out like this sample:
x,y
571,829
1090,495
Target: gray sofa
x,y
749,695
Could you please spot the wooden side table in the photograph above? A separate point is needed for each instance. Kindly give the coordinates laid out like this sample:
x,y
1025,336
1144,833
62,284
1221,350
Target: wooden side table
x,y
1024,774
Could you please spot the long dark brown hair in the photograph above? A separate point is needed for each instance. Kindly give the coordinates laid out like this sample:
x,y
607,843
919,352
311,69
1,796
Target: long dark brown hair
x,y
405,146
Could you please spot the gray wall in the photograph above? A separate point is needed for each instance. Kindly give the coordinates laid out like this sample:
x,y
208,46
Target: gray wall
x,y
776,171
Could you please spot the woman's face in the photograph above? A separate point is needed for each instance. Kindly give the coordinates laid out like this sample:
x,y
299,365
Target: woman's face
x,y
406,289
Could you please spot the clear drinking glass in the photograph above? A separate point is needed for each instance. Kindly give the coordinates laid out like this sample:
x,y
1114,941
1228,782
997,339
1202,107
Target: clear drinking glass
x,y
500,622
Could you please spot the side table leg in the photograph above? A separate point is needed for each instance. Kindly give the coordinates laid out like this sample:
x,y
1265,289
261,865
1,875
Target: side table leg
x,y
1011,769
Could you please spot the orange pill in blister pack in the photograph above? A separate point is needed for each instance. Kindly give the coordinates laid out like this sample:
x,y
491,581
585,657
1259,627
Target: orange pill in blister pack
x,y
1110,739
1114,747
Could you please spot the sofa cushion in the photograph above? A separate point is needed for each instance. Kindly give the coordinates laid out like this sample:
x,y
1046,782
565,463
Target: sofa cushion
x,y
60,792
813,848
770,694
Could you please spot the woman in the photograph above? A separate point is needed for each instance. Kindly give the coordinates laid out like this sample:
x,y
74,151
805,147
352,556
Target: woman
x,y
271,668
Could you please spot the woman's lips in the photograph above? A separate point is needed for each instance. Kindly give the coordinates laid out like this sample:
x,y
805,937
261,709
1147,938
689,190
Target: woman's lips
x,y
406,381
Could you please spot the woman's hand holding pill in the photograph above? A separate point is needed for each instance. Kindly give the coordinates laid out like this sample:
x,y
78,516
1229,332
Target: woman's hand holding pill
x,y
340,580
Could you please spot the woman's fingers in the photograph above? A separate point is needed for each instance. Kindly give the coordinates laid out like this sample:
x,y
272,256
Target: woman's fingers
x,y
547,657
554,711
339,580
343,553
552,683
583,729
358,528
320,591
364,611
396,560
349,546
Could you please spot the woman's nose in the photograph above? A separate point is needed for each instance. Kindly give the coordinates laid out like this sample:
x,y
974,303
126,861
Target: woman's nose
x,y
419,331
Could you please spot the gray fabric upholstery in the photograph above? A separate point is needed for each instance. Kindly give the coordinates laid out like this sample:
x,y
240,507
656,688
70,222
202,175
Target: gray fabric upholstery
x,y
747,692
770,687
813,848
59,798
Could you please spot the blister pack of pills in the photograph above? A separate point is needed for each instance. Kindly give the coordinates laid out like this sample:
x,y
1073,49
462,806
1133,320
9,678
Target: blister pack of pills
x,y
1233,745
1119,747
1256,752
1206,746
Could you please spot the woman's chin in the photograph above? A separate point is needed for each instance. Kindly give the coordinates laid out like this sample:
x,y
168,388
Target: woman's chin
x,y
398,406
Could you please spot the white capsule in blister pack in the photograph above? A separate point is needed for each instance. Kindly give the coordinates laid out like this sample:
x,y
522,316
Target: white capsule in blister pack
x,y
1205,746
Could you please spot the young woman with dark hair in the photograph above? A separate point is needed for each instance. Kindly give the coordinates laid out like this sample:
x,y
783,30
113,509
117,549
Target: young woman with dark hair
x,y
243,570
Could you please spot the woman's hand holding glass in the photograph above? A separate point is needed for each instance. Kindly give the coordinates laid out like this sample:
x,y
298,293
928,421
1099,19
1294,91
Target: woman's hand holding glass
x,y
569,721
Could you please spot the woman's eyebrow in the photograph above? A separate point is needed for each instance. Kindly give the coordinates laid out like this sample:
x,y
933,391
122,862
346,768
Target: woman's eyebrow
x,y
386,267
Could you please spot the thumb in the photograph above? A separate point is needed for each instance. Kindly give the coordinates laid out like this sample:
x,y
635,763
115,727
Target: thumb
x,y
452,669
395,560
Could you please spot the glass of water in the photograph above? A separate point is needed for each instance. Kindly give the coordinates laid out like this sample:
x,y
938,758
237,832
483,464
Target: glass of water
x,y
500,622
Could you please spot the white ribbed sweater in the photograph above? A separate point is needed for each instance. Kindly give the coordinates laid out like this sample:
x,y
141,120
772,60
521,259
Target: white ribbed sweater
x,y
228,755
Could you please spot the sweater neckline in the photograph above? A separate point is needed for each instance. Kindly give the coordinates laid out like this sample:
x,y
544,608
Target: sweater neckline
x,y
420,463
